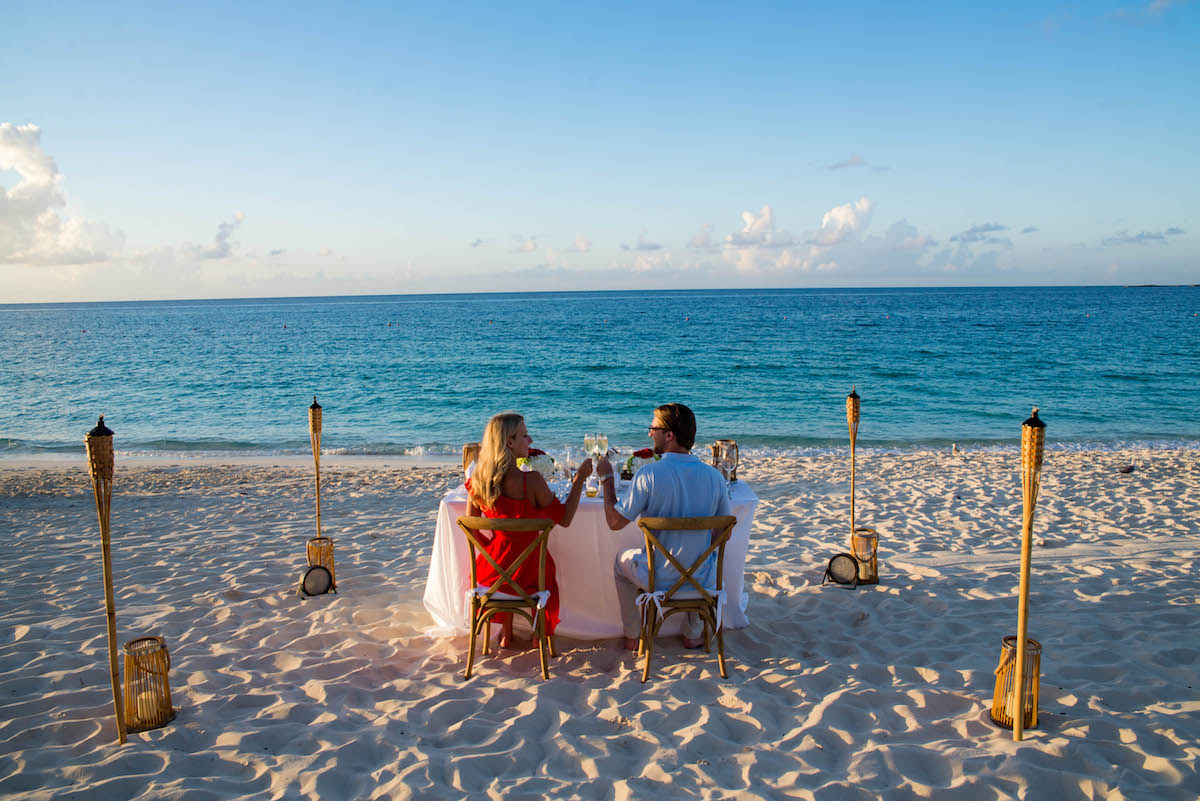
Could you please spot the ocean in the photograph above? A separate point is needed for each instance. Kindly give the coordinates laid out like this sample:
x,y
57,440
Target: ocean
x,y
420,374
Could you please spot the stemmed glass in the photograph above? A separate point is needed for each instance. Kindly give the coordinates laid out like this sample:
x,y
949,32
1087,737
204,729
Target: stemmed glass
x,y
602,445
589,443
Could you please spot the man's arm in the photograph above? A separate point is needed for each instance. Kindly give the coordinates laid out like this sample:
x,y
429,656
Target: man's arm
x,y
615,520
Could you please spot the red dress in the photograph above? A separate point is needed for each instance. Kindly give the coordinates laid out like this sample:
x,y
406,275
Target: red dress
x,y
506,546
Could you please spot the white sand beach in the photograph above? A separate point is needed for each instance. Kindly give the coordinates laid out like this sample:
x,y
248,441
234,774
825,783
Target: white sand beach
x,y
878,692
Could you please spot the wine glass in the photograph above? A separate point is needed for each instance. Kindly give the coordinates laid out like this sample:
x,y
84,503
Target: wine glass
x,y
602,445
589,443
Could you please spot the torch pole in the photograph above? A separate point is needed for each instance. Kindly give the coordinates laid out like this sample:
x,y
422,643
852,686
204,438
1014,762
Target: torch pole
x,y
853,407
100,464
1033,439
314,435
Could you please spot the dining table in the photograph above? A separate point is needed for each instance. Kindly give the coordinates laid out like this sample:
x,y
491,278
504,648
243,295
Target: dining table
x,y
584,554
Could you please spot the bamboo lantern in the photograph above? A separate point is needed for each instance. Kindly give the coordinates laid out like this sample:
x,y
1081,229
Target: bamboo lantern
x,y
147,688
864,544
1005,699
320,548
99,442
1033,443
853,409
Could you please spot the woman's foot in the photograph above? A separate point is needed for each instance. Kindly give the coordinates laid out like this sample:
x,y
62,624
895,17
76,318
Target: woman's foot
x,y
631,643
506,636
688,642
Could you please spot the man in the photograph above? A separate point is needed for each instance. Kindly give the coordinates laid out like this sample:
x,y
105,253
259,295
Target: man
x,y
678,485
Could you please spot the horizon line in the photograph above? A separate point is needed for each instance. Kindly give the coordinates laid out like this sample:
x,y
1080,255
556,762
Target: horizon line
x,y
678,290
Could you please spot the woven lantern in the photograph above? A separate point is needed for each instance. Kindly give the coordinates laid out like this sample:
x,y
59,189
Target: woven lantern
x,y
1033,443
320,548
99,442
147,689
1005,699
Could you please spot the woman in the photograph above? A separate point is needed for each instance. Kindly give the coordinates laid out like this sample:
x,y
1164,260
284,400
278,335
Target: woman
x,y
498,488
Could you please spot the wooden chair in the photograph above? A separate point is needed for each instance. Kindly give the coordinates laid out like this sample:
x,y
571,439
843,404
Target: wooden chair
x,y
686,594
470,452
506,595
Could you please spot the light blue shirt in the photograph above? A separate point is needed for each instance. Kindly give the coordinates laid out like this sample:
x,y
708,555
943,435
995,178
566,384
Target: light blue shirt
x,y
677,485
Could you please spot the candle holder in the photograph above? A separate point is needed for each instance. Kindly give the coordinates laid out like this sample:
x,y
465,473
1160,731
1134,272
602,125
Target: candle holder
x,y
147,688
864,544
1005,701
725,458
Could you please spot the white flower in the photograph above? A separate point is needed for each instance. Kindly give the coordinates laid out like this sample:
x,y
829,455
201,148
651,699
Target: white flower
x,y
541,463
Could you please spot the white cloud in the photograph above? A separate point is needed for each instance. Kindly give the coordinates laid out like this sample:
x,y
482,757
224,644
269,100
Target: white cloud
x,y
36,227
844,221
702,239
643,244
582,245
655,260
526,244
223,242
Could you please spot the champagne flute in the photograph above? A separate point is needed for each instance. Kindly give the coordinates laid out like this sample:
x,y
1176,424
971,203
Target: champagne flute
x,y
589,443
602,445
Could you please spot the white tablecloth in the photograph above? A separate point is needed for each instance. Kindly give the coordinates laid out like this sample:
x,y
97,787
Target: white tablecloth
x,y
583,556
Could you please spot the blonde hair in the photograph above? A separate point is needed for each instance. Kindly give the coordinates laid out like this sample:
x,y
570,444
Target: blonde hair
x,y
495,459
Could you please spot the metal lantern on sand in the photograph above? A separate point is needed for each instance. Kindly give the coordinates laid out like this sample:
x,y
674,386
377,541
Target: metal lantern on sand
x,y
320,548
864,542
99,442
1016,695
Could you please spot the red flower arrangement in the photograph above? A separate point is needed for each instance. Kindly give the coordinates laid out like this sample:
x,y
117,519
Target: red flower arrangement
x,y
644,453
536,452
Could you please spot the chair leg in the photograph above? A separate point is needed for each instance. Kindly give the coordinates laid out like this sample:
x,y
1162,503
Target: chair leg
x,y
554,654
642,634
648,638
487,636
721,653
539,631
474,625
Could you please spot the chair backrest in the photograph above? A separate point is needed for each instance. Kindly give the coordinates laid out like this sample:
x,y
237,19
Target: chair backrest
x,y
470,453
719,528
471,526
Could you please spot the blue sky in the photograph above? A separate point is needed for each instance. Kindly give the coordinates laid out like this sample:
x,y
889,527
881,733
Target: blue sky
x,y
221,150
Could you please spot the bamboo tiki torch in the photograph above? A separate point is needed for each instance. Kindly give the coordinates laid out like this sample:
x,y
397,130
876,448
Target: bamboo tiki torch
x,y
314,435
853,406
1033,442
99,443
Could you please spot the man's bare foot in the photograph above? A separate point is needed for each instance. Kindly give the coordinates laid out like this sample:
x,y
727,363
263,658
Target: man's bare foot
x,y
688,642
631,643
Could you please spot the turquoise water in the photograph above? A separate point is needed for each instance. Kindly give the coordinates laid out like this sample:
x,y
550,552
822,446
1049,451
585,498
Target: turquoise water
x,y
771,368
